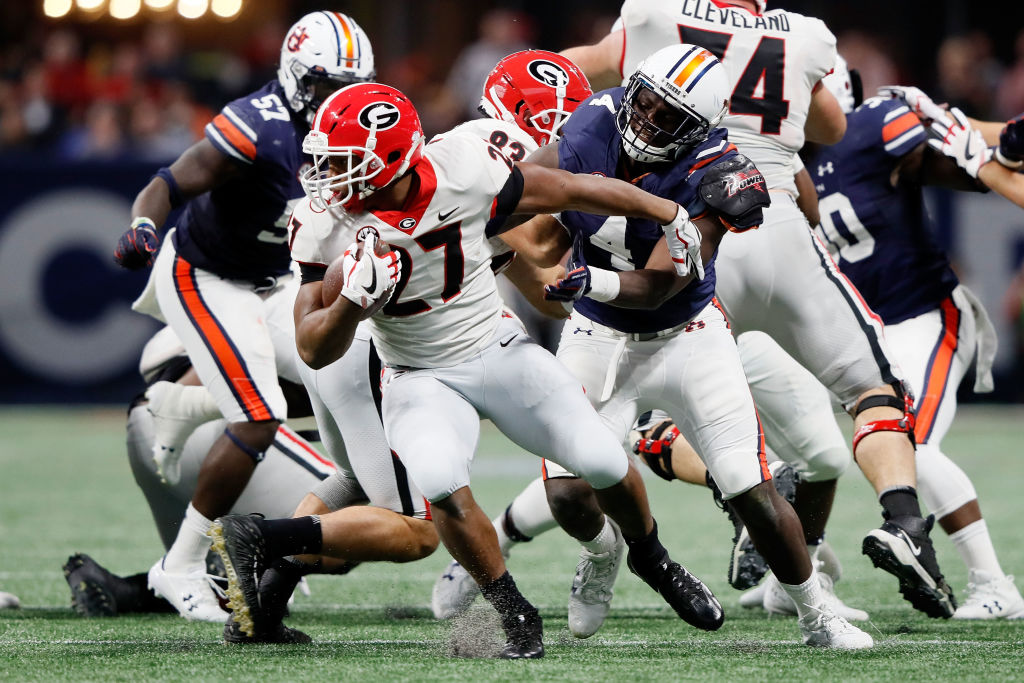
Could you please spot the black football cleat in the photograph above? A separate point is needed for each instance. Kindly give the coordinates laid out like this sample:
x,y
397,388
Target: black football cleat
x,y
279,634
746,565
901,546
92,587
525,636
685,593
239,542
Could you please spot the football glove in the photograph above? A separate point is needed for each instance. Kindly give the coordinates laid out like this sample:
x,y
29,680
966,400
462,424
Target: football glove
x,y
960,142
684,239
576,283
1010,152
916,99
138,245
370,278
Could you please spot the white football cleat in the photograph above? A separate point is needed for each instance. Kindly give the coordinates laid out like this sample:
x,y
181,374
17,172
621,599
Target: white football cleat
x,y
194,594
454,591
754,598
590,597
177,410
9,600
990,597
777,600
824,628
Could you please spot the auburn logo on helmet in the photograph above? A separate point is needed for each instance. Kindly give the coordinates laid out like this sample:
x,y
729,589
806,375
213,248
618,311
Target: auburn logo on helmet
x,y
379,116
548,73
297,38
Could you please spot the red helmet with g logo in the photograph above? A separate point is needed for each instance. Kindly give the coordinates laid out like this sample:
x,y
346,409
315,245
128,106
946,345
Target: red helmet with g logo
x,y
363,137
536,90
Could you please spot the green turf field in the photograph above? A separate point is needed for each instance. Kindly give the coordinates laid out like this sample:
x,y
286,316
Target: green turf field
x,y
65,486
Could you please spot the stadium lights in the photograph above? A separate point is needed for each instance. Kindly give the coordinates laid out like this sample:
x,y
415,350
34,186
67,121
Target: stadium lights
x,y
193,9
124,9
56,8
127,9
226,9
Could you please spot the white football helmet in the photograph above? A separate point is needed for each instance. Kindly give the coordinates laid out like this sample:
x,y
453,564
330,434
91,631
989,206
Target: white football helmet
x,y
322,52
694,88
840,84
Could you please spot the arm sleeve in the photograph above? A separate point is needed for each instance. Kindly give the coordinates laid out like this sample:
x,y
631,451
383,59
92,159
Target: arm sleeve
x,y
230,133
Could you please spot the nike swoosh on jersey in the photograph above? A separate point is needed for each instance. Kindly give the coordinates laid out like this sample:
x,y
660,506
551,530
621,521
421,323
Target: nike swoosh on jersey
x,y
508,341
444,216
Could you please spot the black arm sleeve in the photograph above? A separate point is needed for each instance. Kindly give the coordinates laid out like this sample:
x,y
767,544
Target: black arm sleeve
x,y
736,191
505,203
311,272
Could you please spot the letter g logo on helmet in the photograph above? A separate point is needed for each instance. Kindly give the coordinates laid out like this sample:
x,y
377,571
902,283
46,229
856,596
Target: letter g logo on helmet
x,y
379,116
548,73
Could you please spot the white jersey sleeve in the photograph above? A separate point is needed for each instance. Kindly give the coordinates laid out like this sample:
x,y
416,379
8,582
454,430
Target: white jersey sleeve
x,y
316,237
774,61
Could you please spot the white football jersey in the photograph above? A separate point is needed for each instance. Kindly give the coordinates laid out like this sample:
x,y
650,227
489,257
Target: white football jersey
x,y
774,61
446,305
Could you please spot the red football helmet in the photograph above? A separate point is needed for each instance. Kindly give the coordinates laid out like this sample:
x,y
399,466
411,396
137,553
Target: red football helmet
x,y
363,137
536,90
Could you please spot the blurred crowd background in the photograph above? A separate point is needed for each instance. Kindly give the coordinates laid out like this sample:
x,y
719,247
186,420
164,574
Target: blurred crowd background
x,y
88,89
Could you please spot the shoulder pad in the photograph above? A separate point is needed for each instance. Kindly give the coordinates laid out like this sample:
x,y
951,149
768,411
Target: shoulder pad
x,y
737,192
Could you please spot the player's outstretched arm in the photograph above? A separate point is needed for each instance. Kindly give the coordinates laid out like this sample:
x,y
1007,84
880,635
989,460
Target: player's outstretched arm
x,y
323,334
1002,180
550,190
600,61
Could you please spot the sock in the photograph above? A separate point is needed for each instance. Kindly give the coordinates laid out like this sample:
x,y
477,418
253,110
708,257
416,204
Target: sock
x,y
806,595
188,552
900,501
604,542
975,547
503,594
646,553
297,536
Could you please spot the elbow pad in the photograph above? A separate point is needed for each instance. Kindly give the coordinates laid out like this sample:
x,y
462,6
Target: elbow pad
x,y
736,191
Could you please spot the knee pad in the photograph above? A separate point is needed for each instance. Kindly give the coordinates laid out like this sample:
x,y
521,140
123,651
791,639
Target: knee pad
x,y
656,450
826,465
902,401
941,483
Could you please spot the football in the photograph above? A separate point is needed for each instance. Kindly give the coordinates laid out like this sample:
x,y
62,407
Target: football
x,y
335,275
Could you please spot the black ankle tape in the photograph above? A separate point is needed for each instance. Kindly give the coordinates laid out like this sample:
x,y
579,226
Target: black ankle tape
x,y
257,456
510,527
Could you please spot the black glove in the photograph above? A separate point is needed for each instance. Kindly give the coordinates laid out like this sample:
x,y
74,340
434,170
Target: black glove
x,y
1010,152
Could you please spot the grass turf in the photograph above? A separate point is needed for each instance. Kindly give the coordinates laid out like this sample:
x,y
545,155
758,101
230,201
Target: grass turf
x,y
66,487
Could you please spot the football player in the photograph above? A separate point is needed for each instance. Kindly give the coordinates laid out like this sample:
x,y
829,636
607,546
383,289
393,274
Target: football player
x,y
227,255
874,219
450,354
779,279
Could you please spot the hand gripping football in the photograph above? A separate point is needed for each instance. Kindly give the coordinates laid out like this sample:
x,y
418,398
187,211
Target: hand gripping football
x,y
365,281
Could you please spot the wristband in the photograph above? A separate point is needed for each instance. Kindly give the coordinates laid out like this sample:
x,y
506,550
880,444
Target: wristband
x,y
1008,163
604,284
143,222
174,194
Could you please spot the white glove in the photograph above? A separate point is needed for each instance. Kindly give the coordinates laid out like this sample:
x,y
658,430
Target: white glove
x,y
961,142
370,280
916,99
683,239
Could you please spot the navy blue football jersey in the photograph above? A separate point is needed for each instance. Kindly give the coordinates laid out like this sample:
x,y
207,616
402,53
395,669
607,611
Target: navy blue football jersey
x,y
882,235
239,229
591,144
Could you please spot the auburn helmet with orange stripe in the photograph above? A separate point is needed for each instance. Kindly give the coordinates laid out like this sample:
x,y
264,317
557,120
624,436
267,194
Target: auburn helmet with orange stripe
x,y
322,52
672,101
535,90
364,137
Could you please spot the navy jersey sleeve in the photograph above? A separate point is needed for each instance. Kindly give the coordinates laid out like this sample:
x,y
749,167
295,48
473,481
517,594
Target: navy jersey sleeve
x,y
589,139
899,128
243,126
